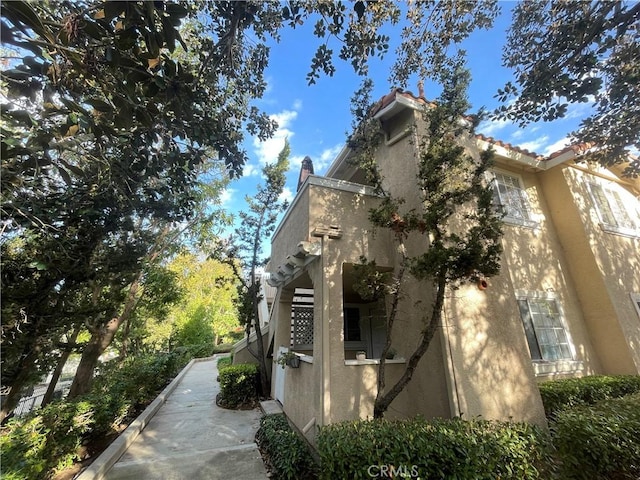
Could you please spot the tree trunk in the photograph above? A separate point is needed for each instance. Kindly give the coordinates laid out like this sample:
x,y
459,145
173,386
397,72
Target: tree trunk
x,y
48,396
100,340
390,321
262,361
124,348
384,400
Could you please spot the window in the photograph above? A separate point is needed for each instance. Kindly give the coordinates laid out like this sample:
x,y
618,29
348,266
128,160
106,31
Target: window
x,y
512,198
635,298
352,324
365,329
614,215
544,327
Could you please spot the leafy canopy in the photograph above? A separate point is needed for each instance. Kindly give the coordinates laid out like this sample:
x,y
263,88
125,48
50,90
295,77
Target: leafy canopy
x,y
564,53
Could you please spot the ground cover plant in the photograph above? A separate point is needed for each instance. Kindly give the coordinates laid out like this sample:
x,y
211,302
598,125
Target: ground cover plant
x,y
286,454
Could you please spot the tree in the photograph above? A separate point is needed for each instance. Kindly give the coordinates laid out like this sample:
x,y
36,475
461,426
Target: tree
x,y
460,228
564,53
245,251
104,132
207,312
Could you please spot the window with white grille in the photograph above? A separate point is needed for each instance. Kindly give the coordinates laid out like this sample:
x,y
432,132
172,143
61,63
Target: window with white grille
x,y
614,215
510,196
544,327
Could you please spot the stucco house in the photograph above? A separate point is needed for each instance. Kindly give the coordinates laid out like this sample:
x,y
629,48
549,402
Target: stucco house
x,y
566,303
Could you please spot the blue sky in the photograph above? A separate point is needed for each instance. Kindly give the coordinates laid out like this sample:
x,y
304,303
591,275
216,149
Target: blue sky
x,y
316,118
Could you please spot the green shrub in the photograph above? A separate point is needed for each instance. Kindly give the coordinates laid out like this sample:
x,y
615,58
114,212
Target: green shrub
x,y
238,385
417,448
224,362
45,440
36,445
599,441
223,348
287,454
560,394
122,391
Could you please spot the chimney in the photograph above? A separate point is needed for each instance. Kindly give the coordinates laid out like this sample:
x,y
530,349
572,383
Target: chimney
x,y
421,89
306,169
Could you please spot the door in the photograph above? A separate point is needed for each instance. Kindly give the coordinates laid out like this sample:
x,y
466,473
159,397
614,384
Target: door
x,y
280,376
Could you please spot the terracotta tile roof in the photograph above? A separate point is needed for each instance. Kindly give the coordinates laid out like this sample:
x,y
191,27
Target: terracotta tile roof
x,y
386,100
578,148
393,94
515,148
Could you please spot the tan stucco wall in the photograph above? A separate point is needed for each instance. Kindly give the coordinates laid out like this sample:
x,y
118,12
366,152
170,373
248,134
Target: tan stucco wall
x,y
604,267
479,362
242,355
286,239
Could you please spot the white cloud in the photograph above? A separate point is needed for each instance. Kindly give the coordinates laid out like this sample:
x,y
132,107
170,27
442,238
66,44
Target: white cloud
x,y
554,147
297,105
490,127
267,151
327,156
320,162
579,110
250,169
534,145
226,197
286,195
295,162
517,134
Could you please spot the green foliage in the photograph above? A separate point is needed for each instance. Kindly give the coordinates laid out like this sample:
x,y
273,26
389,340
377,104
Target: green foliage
x,y
461,449
565,53
287,454
224,362
558,395
599,441
106,138
48,439
238,385
206,313
449,212
121,391
433,34
223,348
370,283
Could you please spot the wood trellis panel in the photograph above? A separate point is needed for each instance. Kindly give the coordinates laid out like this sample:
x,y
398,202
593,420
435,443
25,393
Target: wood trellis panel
x,y
302,331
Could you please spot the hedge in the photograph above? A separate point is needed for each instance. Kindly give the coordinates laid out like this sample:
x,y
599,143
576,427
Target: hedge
x,y
286,453
558,395
224,362
599,441
417,448
238,385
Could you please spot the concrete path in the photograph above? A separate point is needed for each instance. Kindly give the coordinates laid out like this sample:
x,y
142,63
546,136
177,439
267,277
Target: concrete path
x,y
190,437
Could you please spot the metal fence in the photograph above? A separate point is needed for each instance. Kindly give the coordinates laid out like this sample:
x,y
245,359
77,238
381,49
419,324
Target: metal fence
x,y
33,399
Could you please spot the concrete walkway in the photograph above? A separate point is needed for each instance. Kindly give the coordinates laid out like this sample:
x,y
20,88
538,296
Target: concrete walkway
x,y
188,437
